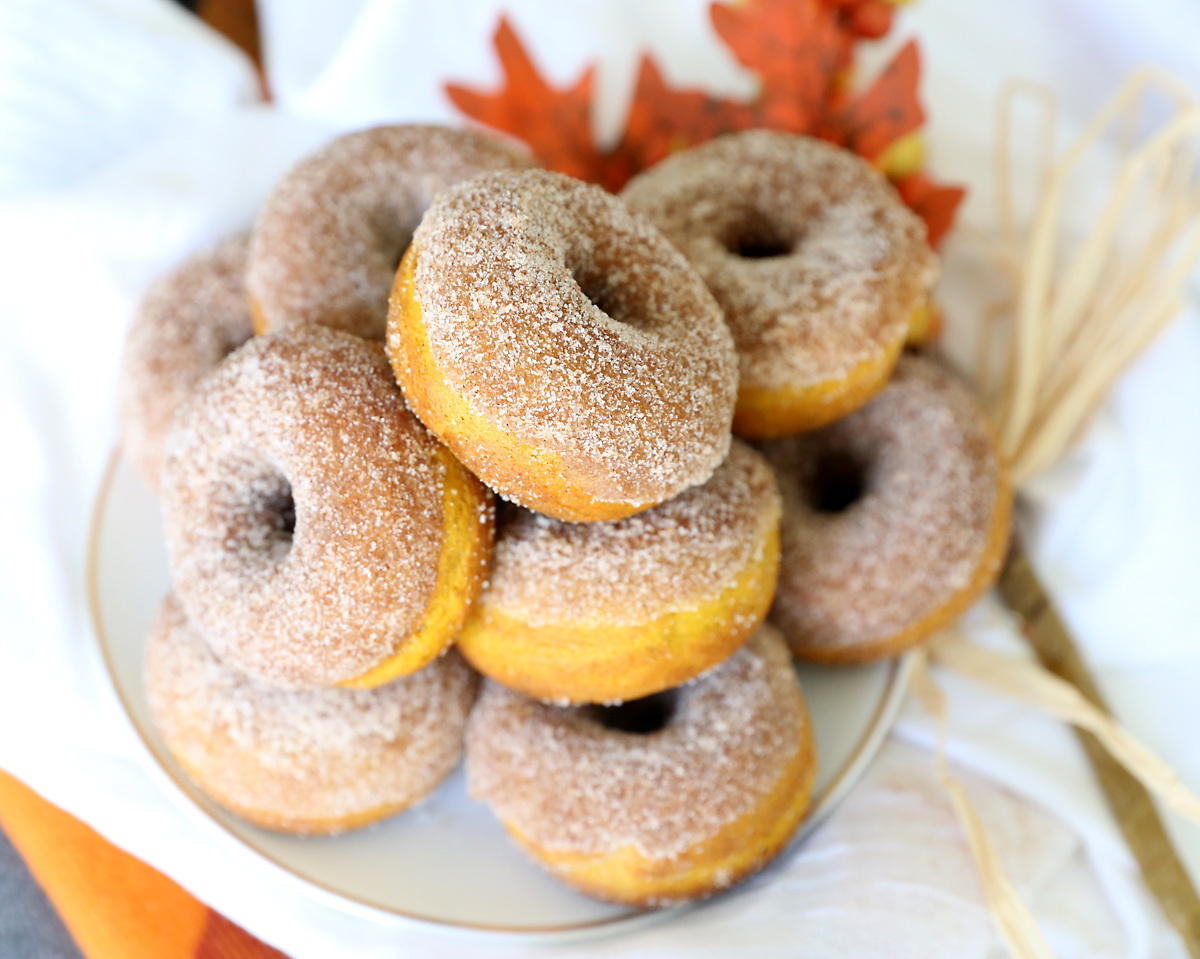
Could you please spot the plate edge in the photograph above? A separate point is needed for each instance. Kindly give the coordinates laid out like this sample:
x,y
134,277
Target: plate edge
x,y
823,804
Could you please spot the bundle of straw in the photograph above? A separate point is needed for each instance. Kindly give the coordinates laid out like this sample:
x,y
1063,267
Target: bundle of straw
x,y
1081,312
1081,308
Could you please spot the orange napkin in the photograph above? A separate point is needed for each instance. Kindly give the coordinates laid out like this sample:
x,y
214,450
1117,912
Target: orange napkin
x,y
115,906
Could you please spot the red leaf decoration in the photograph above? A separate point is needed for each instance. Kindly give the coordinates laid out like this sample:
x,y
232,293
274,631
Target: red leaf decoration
x,y
555,123
663,119
795,47
886,111
802,51
934,204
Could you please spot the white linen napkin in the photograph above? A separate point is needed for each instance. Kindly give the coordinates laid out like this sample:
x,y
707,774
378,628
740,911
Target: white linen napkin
x,y
87,222
82,83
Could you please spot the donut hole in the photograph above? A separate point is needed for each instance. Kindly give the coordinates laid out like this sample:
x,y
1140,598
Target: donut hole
x,y
757,238
399,248
594,284
391,232
838,482
259,512
273,517
284,515
231,343
641,717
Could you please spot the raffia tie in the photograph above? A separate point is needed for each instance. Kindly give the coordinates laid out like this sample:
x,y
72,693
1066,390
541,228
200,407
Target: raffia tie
x,y
1013,920
1034,685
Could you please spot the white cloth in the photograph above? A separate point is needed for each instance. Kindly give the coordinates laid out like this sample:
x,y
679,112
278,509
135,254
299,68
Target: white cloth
x,y
82,83
86,222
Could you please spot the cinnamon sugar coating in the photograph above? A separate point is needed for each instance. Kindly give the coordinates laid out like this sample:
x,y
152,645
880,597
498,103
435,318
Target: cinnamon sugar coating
x,y
930,486
303,507
330,235
187,323
303,760
566,782
628,572
815,260
572,325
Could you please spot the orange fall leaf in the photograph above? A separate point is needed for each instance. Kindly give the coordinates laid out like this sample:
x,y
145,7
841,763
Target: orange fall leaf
x,y
887,110
802,51
797,50
555,123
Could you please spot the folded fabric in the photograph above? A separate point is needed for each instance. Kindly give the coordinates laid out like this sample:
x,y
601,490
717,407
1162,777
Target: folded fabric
x,y
83,83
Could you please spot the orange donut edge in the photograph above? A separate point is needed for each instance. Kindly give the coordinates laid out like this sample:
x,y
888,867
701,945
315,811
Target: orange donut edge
x,y
258,319
467,533
277,821
765,414
504,461
924,326
736,852
986,574
605,662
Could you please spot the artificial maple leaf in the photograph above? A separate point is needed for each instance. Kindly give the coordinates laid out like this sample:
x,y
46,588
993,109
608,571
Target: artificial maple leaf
x,y
866,19
934,204
869,122
801,49
556,124
663,119
796,48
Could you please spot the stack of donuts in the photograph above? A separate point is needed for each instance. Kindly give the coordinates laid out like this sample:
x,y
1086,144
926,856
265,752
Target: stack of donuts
x,y
445,415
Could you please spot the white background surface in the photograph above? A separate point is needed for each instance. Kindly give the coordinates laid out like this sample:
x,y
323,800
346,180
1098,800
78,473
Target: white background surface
x,y
127,139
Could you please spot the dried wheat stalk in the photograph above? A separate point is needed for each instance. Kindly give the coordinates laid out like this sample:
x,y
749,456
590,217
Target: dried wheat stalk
x,y
1082,309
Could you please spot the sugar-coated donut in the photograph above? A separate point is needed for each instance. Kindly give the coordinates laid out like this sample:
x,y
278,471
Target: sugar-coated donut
x,y
317,533
561,347
660,800
188,322
332,231
308,761
600,612
819,267
895,519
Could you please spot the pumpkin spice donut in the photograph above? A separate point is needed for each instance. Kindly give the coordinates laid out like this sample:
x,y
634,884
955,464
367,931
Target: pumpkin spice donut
x,y
661,800
317,533
188,322
561,347
602,612
819,266
895,519
332,231
306,761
